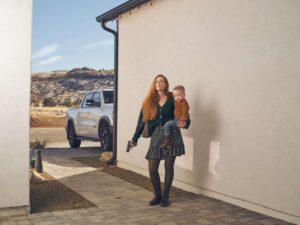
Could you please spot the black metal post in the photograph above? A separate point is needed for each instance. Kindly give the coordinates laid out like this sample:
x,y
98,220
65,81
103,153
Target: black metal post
x,y
38,161
116,56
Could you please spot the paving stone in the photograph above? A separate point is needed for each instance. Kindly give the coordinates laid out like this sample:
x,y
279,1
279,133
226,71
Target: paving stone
x,y
93,219
228,219
8,223
168,223
247,219
33,216
45,214
46,223
58,213
17,218
24,222
35,220
204,221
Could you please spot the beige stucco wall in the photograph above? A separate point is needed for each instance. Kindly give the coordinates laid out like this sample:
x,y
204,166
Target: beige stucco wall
x,y
239,62
15,66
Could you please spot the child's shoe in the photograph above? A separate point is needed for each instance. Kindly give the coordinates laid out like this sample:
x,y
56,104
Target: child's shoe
x,y
167,142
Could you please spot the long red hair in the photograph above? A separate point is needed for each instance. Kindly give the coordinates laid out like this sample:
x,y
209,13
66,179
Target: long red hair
x,y
151,100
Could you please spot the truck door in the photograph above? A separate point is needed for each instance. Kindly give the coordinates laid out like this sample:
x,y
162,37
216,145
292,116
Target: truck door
x,y
84,115
95,116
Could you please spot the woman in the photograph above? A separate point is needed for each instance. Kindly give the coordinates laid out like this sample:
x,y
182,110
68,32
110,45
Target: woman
x,y
157,109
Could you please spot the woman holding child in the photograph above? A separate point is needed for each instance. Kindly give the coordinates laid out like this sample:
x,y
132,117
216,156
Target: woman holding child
x,y
157,110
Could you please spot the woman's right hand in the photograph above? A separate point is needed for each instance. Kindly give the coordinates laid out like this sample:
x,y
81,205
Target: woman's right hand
x,y
133,144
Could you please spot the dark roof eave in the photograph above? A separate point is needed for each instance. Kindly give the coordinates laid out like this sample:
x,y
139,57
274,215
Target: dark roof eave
x,y
123,8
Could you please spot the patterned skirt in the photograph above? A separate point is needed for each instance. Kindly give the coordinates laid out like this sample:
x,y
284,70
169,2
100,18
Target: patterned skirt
x,y
155,152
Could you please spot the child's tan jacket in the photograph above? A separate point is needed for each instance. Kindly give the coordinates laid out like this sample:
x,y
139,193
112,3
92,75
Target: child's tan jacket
x,y
181,111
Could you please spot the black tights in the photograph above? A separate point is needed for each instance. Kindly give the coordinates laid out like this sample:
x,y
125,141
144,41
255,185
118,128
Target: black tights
x,y
169,174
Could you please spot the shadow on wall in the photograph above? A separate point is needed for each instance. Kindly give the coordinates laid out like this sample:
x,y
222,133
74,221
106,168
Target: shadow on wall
x,y
206,135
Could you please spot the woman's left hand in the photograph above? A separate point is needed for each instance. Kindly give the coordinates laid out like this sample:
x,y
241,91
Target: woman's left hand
x,y
181,124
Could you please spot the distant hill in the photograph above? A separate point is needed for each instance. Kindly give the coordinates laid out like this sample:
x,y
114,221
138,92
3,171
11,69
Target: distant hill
x,y
62,84
84,71
57,73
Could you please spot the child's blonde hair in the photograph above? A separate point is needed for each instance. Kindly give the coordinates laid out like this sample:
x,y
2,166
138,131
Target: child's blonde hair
x,y
179,88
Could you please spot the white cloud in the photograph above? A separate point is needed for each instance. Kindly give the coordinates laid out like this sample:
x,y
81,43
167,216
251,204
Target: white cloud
x,y
50,60
103,43
46,50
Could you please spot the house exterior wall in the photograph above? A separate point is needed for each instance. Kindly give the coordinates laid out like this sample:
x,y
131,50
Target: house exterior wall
x,y
15,64
239,62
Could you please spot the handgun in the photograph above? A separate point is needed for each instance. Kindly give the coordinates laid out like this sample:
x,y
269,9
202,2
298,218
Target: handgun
x,y
128,148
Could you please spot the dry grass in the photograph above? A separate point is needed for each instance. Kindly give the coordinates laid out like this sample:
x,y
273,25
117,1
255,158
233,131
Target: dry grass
x,y
47,116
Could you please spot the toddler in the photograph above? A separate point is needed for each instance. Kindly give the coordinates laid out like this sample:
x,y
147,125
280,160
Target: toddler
x,y
181,114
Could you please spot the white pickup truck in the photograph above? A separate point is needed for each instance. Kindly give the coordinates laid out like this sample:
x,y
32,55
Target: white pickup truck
x,y
93,120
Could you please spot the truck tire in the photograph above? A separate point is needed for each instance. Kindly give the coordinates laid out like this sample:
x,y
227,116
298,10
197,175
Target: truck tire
x,y
105,137
74,142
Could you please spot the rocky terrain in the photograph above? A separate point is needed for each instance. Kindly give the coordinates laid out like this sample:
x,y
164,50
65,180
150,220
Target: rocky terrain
x,y
61,85
62,89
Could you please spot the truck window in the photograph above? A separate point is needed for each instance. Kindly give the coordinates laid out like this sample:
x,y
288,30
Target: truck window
x,y
96,97
108,97
87,97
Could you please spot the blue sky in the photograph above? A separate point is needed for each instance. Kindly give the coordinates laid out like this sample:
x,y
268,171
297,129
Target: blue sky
x,y
66,35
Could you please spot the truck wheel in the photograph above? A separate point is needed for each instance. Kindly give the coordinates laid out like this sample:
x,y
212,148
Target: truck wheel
x,y
105,137
72,137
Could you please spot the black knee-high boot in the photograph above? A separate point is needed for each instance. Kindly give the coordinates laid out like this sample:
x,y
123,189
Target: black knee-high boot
x,y
169,174
165,199
154,176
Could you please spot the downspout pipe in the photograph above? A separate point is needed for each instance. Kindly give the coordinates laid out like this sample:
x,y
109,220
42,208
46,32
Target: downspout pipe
x,y
115,113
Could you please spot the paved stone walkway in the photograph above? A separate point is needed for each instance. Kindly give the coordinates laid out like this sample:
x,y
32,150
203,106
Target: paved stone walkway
x,y
119,202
